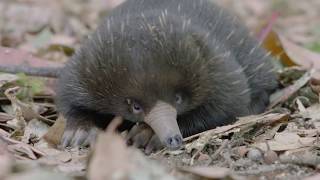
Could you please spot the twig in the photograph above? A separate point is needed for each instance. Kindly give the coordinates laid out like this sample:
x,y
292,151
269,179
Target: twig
x,y
219,150
52,72
266,30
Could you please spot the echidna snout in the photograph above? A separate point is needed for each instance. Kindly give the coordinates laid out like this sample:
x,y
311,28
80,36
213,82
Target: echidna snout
x,y
174,142
163,120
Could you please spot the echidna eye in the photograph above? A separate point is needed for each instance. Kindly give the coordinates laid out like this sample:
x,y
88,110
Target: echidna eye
x,y
179,99
136,108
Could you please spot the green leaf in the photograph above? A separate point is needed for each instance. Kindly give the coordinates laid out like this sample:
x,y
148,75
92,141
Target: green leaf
x,y
30,86
314,46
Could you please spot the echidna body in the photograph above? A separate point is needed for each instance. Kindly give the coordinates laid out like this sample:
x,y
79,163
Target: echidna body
x,y
181,66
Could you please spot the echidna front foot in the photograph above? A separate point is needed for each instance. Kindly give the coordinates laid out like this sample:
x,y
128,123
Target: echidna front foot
x,y
79,135
142,136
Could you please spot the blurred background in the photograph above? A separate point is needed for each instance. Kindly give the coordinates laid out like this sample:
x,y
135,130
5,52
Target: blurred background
x,y
52,29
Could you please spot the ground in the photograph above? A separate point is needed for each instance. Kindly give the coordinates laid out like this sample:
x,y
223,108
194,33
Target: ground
x,y
282,143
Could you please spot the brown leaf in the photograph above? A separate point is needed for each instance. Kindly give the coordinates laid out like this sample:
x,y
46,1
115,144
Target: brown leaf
x,y
242,123
39,173
4,117
23,110
110,4
112,159
21,149
273,44
312,112
6,160
306,158
213,173
314,177
63,40
284,94
299,55
286,141
64,157
34,131
203,157
72,161
55,132
242,151
315,85
291,54
7,78
4,133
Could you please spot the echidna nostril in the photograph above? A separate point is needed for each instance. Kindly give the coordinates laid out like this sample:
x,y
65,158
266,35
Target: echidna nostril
x,y
174,142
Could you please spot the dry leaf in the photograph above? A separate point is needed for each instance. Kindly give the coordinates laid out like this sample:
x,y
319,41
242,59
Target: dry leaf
x,y
70,162
112,159
77,168
242,151
55,132
242,123
64,157
284,94
7,78
4,133
299,55
24,111
273,44
110,4
312,112
307,132
306,158
314,177
60,39
315,85
6,160
211,173
34,129
291,54
38,174
286,141
21,149
4,117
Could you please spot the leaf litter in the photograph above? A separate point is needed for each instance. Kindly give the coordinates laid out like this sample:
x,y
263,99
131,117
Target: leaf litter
x,y
281,143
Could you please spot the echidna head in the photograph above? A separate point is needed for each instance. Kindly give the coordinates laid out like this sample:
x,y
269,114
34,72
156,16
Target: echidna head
x,y
146,79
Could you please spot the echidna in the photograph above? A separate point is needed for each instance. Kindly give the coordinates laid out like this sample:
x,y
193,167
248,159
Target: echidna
x,y
180,66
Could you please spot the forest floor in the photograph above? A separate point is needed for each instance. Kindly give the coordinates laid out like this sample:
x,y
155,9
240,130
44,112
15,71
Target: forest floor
x,y
282,143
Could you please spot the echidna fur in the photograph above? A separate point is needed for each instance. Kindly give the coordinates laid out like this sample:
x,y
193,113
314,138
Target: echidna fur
x,y
149,50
